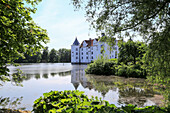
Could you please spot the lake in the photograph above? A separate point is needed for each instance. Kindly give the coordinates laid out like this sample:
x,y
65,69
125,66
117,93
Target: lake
x,y
44,77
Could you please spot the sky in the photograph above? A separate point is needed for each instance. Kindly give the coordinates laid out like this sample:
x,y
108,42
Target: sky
x,y
62,23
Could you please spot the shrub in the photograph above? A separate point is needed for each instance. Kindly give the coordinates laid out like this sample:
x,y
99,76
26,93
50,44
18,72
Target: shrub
x,y
131,70
69,102
102,67
77,102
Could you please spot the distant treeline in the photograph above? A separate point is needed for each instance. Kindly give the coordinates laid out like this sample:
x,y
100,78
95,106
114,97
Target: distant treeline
x,y
53,56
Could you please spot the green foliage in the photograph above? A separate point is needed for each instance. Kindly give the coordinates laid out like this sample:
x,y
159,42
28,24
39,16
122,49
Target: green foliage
x,y
61,55
127,18
64,55
53,56
102,66
36,58
67,101
130,71
18,33
45,55
162,84
111,67
157,58
131,51
77,102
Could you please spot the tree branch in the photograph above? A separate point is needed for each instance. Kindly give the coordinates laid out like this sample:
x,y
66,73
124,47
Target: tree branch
x,y
162,7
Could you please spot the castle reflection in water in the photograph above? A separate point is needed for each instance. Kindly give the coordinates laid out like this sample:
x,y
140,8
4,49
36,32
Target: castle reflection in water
x,y
78,77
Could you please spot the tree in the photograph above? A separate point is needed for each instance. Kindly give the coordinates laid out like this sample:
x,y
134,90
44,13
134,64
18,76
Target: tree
x,y
68,55
18,33
29,58
53,56
131,51
149,19
115,16
37,57
64,55
45,55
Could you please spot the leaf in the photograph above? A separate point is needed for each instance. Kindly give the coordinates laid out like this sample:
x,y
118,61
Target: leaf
x,y
52,110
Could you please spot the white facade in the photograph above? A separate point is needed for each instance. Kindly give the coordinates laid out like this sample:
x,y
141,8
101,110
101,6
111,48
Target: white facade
x,y
91,49
78,77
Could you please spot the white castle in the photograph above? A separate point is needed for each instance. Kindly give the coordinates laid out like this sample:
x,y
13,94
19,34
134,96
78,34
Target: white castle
x,y
90,50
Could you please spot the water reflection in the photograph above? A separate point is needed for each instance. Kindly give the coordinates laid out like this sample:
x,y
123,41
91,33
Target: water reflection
x,y
62,74
78,77
130,90
45,75
41,78
12,103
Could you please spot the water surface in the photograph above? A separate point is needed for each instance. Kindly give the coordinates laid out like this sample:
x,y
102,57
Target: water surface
x,y
44,77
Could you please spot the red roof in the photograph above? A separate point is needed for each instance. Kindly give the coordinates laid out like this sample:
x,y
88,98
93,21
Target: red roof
x,y
89,42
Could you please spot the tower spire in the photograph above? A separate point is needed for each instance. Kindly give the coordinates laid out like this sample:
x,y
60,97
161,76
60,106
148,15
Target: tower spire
x,y
76,42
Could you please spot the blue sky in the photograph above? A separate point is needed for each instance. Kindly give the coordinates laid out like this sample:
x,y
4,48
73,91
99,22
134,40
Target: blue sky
x,y
62,23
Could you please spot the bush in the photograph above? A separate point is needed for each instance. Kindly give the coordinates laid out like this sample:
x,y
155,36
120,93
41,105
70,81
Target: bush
x,y
131,70
77,102
69,102
102,67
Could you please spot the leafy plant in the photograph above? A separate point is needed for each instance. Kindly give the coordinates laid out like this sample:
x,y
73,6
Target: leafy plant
x,y
77,102
68,101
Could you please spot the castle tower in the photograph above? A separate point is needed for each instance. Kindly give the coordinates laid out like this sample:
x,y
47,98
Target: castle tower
x,y
75,54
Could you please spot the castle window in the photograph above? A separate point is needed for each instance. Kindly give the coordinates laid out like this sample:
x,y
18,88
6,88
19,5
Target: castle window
x,y
91,52
76,57
76,53
86,53
86,57
82,53
92,57
82,58
76,49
